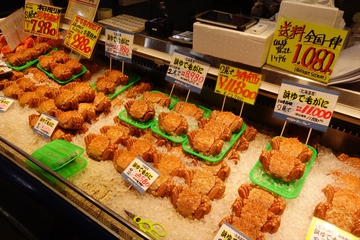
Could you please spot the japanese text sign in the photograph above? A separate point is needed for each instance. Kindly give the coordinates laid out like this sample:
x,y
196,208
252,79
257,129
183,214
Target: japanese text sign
x,y
304,105
82,36
5,103
228,232
306,49
42,20
118,44
140,175
46,125
237,83
321,230
84,8
187,71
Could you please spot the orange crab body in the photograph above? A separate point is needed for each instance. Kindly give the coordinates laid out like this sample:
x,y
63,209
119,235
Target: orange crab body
x,y
172,123
140,110
99,147
158,98
292,147
189,109
228,119
205,142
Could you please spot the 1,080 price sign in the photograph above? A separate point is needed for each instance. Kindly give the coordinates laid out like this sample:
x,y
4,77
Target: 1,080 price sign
x,y
82,36
306,49
42,20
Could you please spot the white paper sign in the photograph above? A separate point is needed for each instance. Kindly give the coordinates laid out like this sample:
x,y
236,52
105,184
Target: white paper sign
x,y
5,103
118,44
46,125
227,231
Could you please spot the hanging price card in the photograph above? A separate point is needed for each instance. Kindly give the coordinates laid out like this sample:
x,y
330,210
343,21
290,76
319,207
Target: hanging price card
x,y
5,103
187,71
46,125
237,83
321,230
140,175
305,105
118,44
82,36
227,231
85,8
306,49
42,20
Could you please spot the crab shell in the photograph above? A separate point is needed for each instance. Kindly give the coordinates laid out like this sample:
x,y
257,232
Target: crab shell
x,y
122,159
31,99
143,148
172,123
162,186
221,131
189,109
67,101
13,91
139,88
190,203
341,209
69,119
117,76
82,91
228,119
87,110
105,85
282,166
102,103
99,147
140,110
206,183
26,84
47,107
119,134
205,142
61,134
292,147
158,98
47,91
220,169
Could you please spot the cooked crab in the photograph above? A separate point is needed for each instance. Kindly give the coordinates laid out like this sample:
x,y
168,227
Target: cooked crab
x,y
139,88
140,110
158,98
205,142
189,109
190,203
122,159
31,99
47,107
47,62
26,84
102,103
206,183
292,147
5,83
233,155
117,76
60,133
74,65
162,186
67,100
39,75
342,209
172,165
282,166
105,85
241,144
83,91
219,169
143,148
259,208
99,147
221,131
46,91
117,133
69,119
229,119
62,72
13,91
244,227
90,65
87,110
33,118
250,133
353,161
61,56
172,123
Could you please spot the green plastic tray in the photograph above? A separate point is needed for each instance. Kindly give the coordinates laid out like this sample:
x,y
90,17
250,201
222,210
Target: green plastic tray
x,y
173,100
133,78
60,81
176,139
234,137
126,118
286,189
20,68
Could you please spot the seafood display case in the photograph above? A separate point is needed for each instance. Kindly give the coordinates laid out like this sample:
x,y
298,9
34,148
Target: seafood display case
x,y
69,211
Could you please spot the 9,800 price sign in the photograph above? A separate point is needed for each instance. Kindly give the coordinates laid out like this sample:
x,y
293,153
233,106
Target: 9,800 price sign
x,y
42,20
306,49
82,36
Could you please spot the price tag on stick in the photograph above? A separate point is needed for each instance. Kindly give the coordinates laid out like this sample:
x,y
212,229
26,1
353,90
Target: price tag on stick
x,y
46,125
42,20
82,36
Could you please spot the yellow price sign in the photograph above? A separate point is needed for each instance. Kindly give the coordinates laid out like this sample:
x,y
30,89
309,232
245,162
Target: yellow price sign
x,y
42,20
82,36
238,83
306,49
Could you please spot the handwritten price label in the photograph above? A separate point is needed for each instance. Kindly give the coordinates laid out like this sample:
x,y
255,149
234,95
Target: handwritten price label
x,y
140,175
187,71
42,20
46,125
82,36
237,83
307,49
305,105
5,103
118,45
227,231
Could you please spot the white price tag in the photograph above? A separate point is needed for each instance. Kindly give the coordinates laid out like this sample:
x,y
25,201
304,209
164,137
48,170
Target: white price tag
x,y
305,105
187,71
227,231
46,125
140,175
118,44
5,103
